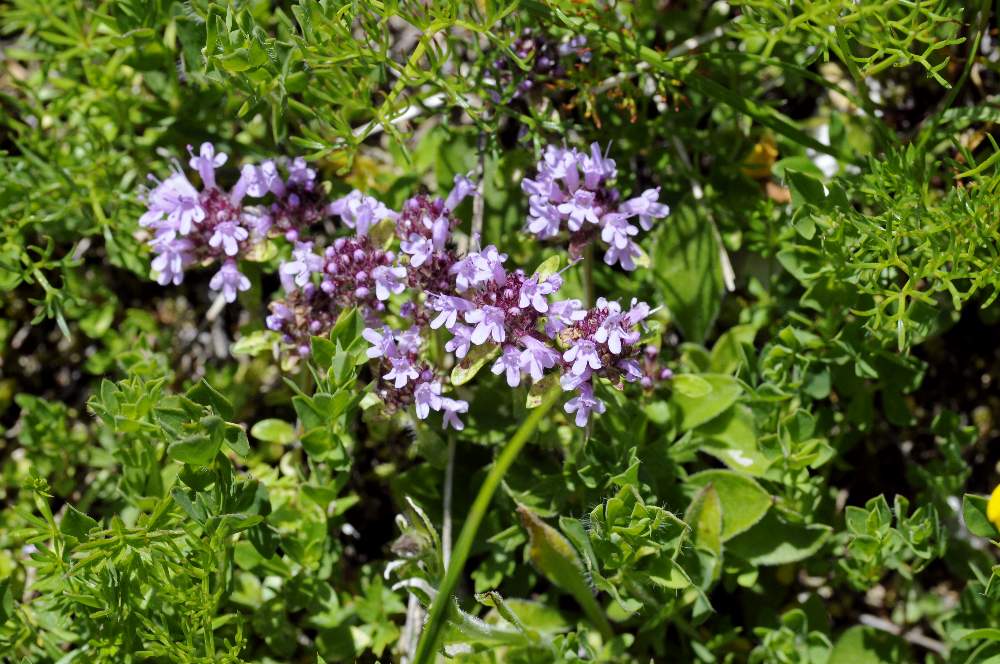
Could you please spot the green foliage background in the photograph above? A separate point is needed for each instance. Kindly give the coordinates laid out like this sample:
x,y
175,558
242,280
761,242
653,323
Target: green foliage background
x,y
808,488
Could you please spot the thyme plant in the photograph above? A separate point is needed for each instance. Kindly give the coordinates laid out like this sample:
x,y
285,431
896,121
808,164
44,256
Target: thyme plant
x,y
505,330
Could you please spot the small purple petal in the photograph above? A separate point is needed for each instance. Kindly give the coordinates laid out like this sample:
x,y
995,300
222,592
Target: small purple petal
x,y
229,281
462,189
509,362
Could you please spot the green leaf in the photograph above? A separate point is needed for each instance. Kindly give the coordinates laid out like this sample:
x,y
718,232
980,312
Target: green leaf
x,y
727,353
76,523
799,164
974,513
806,189
197,477
536,616
691,386
255,343
207,395
470,365
236,439
197,450
744,503
493,599
981,634
348,328
6,601
98,320
704,515
537,391
776,541
262,252
799,263
467,629
273,431
323,445
310,414
732,439
548,267
867,645
194,508
323,351
422,523
552,554
237,60
688,272
696,410
574,530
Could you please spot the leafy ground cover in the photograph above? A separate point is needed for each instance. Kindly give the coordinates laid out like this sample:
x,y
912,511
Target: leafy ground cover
x,y
499,331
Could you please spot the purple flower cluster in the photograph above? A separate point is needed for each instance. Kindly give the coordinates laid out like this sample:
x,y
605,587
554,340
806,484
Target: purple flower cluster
x,y
653,369
408,381
192,227
318,286
518,316
298,203
572,193
507,313
533,332
424,228
603,342
487,309
353,271
494,306
547,62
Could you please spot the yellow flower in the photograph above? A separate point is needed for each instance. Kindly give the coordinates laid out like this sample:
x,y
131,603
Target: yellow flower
x,y
993,507
758,163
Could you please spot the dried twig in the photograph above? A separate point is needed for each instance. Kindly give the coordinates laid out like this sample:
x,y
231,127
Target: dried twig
x,y
914,636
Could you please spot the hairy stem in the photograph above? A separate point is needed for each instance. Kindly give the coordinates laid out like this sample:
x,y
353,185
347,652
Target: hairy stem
x,y
435,620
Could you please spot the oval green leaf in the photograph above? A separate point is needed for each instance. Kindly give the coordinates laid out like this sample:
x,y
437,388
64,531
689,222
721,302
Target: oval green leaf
x,y
743,501
273,431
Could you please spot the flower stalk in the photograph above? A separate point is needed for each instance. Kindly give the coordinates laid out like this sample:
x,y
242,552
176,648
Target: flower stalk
x,y
436,617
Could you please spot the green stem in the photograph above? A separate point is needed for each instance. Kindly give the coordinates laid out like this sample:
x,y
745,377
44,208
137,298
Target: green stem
x,y
673,68
436,617
970,60
449,483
